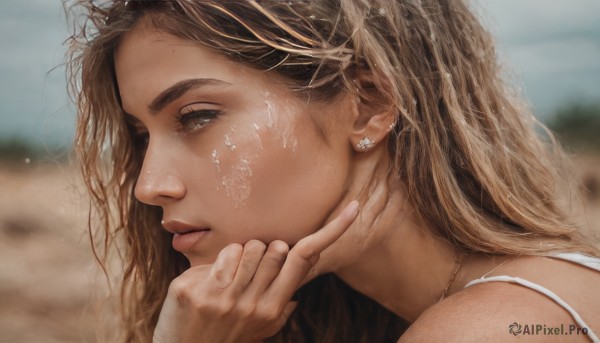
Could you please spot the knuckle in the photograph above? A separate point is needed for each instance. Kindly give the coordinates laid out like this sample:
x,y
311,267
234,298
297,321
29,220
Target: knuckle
x,y
308,254
305,250
219,273
246,310
177,286
270,316
180,290
268,312
246,268
217,308
273,260
309,260
199,304
225,306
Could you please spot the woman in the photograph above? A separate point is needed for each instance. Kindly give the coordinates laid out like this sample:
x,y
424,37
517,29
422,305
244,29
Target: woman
x,y
236,130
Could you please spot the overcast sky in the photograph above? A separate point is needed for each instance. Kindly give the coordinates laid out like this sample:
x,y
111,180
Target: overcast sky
x,y
552,46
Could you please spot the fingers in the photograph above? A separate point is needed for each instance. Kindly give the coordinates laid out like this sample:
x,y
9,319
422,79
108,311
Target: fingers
x,y
251,258
225,267
268,269
275,272
314,244
306,253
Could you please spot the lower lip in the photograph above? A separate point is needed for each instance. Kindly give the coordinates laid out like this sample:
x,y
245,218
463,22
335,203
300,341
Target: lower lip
x,y
186,241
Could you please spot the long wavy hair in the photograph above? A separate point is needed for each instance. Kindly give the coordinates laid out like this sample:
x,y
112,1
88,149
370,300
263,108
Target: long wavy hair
x,y
464,147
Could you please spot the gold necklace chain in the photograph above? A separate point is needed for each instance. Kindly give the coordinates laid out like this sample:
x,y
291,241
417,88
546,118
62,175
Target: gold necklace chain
x,y
508,260
458,265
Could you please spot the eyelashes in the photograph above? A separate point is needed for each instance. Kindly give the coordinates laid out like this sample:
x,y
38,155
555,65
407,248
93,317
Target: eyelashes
x,y
186,122
191,121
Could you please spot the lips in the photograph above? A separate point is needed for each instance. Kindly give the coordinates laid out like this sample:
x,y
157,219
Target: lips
x,y
177,227
185,236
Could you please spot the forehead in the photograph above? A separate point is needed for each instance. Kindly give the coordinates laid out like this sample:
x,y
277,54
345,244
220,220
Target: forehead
x,y
148,61
148,51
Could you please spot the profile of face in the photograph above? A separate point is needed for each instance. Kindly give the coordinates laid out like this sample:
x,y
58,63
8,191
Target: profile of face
x,y
229,148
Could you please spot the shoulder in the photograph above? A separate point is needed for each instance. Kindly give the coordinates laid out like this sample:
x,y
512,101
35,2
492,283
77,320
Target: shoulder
x,y
490,311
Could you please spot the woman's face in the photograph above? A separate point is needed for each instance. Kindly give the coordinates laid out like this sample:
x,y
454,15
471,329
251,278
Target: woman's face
x,y
229,148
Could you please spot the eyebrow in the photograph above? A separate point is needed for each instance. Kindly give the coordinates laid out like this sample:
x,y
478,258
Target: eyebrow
x,y
180,88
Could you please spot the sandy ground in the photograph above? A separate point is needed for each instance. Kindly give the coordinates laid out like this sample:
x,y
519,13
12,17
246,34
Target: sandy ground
x,y
46,267
48,277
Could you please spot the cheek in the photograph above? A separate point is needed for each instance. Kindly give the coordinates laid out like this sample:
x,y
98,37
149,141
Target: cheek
x,y
278,179
234,160
241,149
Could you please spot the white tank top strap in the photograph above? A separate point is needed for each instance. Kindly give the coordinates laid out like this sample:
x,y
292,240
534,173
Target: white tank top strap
x,y
588,261
584,260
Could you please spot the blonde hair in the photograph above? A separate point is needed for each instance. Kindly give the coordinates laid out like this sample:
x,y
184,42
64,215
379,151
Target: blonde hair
x,y
464,149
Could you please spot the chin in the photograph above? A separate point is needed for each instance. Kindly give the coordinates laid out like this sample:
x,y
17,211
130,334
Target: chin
x,y
195,260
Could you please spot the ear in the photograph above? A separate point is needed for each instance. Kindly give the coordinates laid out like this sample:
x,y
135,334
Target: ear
x,y
374,114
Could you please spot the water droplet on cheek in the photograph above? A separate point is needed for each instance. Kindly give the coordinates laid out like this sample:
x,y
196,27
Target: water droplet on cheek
x,y
215,160
237,182
228,143
279,121
269,110
256,135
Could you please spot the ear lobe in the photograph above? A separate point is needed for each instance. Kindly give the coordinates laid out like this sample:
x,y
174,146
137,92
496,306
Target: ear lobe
x,y
375,114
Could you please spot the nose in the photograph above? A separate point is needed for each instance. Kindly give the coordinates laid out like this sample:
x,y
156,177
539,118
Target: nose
x,y
158,183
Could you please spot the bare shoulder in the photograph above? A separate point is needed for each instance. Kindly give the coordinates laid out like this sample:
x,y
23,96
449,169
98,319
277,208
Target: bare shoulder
x,y
494,312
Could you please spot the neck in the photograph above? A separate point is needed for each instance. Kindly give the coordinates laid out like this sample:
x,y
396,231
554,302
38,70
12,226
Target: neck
x,y
406,271
396,258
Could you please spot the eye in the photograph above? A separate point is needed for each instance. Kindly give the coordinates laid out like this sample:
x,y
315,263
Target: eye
x,y
193,119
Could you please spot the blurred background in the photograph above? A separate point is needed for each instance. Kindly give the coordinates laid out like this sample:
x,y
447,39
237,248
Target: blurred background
x,y
48,278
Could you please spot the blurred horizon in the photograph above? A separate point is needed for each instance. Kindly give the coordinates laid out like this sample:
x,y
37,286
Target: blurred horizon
x,y
550,48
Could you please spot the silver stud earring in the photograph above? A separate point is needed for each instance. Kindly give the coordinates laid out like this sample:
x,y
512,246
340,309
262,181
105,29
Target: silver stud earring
x,y
365,144
162,222
391,127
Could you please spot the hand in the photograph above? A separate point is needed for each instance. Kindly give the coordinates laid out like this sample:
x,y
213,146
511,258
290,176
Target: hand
x,y
245,295
383,203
